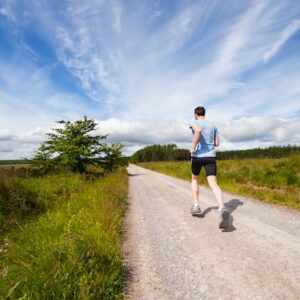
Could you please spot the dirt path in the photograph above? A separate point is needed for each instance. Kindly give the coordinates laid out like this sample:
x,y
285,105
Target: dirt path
x,y
172,255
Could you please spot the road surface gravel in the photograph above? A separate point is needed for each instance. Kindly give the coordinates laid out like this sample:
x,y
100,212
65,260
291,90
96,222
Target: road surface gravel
x,y
171,255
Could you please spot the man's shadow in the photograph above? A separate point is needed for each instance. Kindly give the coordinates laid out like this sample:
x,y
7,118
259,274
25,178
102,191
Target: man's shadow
x,y
231,206
138,174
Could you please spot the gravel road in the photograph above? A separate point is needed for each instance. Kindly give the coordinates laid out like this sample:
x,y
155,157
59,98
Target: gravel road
x,y
171,255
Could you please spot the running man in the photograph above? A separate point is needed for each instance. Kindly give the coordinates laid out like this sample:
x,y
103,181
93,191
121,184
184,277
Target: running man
x,y
203,154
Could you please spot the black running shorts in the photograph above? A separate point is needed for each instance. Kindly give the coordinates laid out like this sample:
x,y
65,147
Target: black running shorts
x,y
209,164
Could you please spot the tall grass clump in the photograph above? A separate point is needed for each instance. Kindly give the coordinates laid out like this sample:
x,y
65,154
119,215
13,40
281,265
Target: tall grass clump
x,y
71,248
21,200
270,180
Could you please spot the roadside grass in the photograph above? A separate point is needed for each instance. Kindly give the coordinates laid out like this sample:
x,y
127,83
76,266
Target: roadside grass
x,y
70,247
271,180
21,200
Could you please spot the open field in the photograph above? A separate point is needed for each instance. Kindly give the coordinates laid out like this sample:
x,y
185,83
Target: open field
x,y
61,236
271,180
14,166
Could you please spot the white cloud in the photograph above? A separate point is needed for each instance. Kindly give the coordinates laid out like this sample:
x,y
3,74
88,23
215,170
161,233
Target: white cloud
x,y
238,39
250,132
144,132
20,145
5,135
289,31
175,33
36,136
117,11
263,129
244,133
5,10
37,101
81,59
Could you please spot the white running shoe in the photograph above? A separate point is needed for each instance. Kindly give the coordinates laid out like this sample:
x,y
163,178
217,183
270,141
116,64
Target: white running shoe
x,y
195,210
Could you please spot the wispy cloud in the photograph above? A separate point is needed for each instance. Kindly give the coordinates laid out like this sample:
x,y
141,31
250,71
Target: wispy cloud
x,y
5,10
291,29
117,10
30,100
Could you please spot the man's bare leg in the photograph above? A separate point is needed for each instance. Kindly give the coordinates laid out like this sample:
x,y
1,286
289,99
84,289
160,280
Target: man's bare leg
x,y
224,213
195,189
212,181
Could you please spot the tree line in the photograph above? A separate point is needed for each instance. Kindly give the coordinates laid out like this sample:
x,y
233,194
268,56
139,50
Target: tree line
x,y
14,162
270,152
170,152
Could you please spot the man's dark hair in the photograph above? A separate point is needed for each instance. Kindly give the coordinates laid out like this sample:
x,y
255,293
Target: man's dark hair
x,y
200,111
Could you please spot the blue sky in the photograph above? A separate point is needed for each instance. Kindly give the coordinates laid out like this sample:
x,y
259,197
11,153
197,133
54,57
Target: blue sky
x,y
139,68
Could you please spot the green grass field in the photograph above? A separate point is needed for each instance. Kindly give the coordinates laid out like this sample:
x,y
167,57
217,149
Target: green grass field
x,y
61,236
271,180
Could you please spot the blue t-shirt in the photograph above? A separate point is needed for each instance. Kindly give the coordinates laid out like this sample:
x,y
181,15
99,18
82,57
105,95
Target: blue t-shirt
x,y
206,144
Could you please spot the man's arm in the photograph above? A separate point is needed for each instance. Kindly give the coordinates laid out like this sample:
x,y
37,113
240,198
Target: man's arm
x,y
216,138
217,141
197,133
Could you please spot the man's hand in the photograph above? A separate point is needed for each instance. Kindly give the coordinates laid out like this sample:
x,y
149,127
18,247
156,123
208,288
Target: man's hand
x,y
192,150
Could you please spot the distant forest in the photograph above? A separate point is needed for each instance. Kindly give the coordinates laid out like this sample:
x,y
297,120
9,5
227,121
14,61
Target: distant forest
x,y
172,153
15,161
270,152
160,153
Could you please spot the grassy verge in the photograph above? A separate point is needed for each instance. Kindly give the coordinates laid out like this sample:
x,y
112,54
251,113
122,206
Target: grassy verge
x,y
71,248
270,180
22,200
